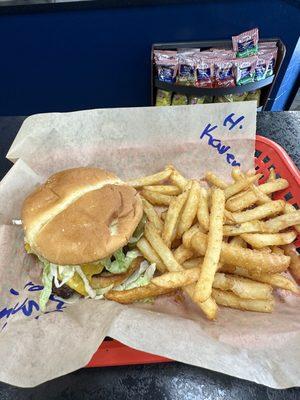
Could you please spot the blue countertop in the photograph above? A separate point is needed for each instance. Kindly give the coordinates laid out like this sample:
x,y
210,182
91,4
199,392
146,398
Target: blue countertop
x,y
169,381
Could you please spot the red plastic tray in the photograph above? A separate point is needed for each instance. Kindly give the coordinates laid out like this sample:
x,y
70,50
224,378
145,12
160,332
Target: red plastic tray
x,y
268,154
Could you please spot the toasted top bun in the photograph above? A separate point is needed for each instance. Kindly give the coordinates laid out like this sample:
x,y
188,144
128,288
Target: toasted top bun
x,y
80,215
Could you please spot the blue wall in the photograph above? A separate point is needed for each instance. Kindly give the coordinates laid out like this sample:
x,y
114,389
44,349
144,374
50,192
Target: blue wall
x,y
68,60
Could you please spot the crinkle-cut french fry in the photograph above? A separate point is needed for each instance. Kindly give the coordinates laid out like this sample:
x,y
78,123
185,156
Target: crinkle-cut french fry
x,y
249,198
171,190
213,250
229,299
209,307
294,268
156,198
152,215
242,287
259,212
203,209
215,180
246,258
150,254
182,254
238,186
151,179
275,280
245,227
260,240
177,179
172,218
139,293
189,210
187,236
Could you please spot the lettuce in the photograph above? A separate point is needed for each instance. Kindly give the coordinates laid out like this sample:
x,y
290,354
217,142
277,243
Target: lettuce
x,y
121,262
141,277
47,279
65,273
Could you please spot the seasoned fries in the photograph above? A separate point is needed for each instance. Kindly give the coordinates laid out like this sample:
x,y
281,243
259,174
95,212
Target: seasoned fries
x,y
164,189
246,227
156,198
226,244
152,215
177,179
249,197
149,254
275,280
182,254
259,212
242,287
246,258
172,217
238,186
259,240
282,222
215,180
214,242
139,293
151,180
290,250
203,209
190,209
228,299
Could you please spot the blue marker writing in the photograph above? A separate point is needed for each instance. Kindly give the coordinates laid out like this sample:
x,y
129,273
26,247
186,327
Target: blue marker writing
x,y
217,144
28,306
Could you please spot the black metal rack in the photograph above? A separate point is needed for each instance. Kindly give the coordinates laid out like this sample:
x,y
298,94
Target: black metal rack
x,y
266,85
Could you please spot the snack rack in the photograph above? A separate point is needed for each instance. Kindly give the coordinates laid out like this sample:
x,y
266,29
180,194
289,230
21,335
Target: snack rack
x,y
266,85
268,155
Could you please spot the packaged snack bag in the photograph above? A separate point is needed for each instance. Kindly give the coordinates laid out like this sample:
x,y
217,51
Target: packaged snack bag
x,y
245,44
272,63
179,99
267,45
239,96
167,70
244,70
262,65
204,72
196,100
223,73
255,95
163,98
164,54
186,69
226,98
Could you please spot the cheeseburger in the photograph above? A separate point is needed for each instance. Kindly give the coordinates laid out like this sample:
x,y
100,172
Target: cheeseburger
x,y
82,224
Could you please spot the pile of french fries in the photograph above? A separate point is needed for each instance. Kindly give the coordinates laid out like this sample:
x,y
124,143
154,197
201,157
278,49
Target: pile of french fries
x,y
227,244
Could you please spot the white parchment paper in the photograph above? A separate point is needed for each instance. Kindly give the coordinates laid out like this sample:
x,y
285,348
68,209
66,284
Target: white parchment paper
x,y
36,347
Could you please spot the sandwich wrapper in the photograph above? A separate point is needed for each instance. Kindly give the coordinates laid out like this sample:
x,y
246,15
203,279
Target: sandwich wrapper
x,y
36,347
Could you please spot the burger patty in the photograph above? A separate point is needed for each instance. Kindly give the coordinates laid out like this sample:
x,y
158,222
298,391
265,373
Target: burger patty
x,y
64,291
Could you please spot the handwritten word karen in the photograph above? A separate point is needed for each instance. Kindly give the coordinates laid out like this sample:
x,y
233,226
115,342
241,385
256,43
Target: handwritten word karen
x,y
216,143
28,306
